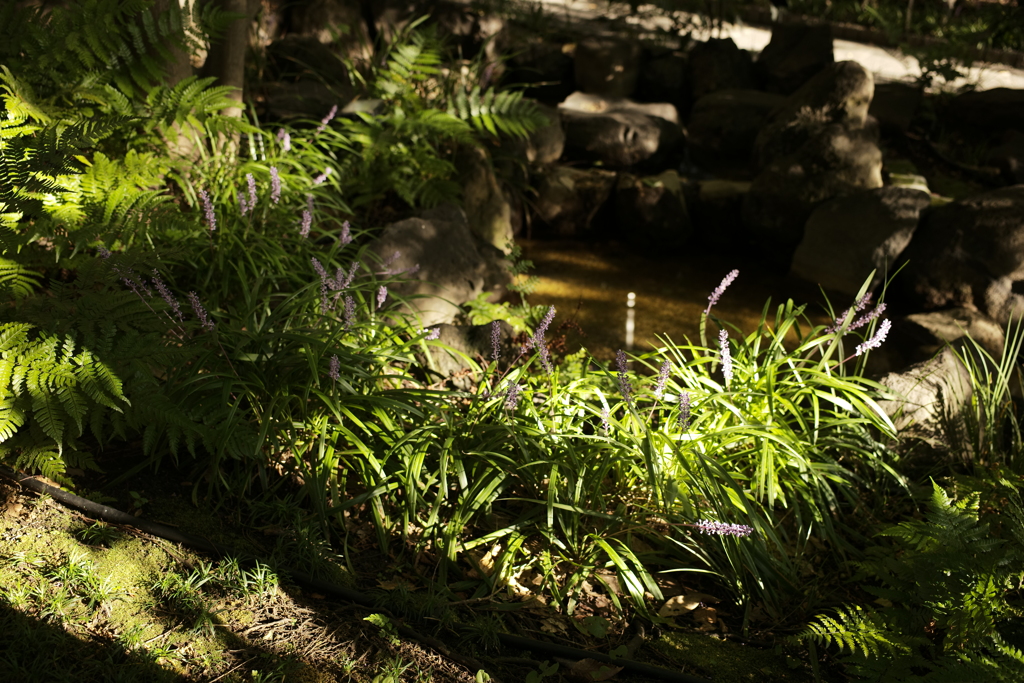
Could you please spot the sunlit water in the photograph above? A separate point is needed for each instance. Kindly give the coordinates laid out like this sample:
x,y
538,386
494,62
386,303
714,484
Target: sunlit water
x,y
589,283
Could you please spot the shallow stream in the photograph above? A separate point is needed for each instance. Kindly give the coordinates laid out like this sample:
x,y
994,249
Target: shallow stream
x,y
590,282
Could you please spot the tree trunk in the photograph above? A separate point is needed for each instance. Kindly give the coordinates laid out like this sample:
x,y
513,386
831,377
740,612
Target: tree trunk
x,y
226,58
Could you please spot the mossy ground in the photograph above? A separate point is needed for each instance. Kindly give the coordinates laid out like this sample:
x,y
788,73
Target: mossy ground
x,y
84,601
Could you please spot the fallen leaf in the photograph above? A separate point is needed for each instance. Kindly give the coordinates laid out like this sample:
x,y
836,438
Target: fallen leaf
x,y
707,617
593,670
681,604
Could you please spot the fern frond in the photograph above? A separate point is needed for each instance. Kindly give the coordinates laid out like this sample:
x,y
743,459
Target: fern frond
x,y
855,629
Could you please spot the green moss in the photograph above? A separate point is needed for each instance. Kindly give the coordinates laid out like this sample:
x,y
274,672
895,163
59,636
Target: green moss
x,y
727,662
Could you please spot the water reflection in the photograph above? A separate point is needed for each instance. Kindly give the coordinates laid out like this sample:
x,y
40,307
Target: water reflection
x,y
589,283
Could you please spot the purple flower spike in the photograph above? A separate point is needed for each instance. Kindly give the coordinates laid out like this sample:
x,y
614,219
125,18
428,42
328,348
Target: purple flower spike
x,y
197,308
495,340
335,371
625,388
275,185
103,252
242,204
382,295
433,333
875,341
684,410
659,386
327,119
723,342
858,306
166,295
211,217
722,529
323,176
717,294
252,191
346,234
285,138
606,424
868,317
307,223
350,311
512,396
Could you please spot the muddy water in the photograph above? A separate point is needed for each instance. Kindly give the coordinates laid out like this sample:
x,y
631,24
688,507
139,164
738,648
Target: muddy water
x,y
589,283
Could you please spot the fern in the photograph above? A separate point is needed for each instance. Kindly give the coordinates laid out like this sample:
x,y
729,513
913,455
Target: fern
x,y
944,596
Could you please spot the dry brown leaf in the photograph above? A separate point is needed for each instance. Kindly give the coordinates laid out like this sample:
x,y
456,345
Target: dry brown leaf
x,y
553,625
681,604
593,670
707,617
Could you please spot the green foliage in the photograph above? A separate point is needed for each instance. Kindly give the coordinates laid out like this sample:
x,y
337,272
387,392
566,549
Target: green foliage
x,y
52,388
948,593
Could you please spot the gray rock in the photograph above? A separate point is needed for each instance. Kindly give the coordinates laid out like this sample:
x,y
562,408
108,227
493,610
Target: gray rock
x,y
839,94
988,110
953,326
487,210
569,198
462,345
724,126
833,161
620,137
599,104
719,65
969,253
929,398
895,105
546,144
795,53
1008,157
651,212
664,77
543,64
446,264
607,66
848,237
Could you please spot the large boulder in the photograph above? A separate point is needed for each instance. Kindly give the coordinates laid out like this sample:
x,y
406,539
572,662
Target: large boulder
x,y
928,398
619,133
607,66
544,65
848,237
546,144
651,212
487,210
446,265
724,126
838,94
969,253
988,110
719,65
663,76
1008,157
895,105
795,53
833,161
569,198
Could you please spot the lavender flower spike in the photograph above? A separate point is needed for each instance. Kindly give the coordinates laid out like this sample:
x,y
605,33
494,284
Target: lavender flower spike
x,y
625,388
495,340
723,342
165,293
350,311
512,396
722,529
659,385
275,185
875,341
346,234
285,138
252,191
335,371
717,294
433,333
327,119
197,308
323,176
868,317
211,217
382,295
307,223
858,306
684,410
